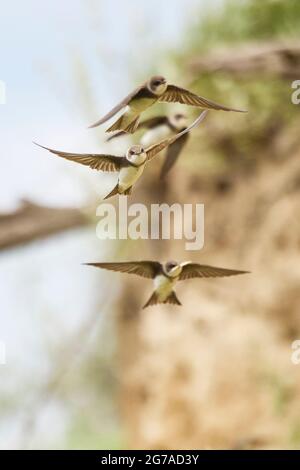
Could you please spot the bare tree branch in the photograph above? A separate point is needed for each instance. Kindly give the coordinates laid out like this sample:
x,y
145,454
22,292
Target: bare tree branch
x,y
31,221
281,59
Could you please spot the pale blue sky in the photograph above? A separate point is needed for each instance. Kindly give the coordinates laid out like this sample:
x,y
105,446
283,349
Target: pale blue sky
x,y
45,295
41,45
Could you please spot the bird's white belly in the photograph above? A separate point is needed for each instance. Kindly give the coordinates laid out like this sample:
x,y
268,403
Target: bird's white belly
x,y
152,136
163,286
128,176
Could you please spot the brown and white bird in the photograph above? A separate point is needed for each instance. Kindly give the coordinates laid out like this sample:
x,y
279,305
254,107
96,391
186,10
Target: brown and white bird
x,y
129,166
166,275
156,89
162,127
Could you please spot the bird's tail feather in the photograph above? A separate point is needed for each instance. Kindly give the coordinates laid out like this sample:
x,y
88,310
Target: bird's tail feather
x,y
172,299
117,134
128,191
122,125
113,192
117,191
154,300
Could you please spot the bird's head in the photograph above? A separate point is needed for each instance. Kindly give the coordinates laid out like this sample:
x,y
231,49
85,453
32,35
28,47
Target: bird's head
x,y
136,154
172,269
157,85
178,121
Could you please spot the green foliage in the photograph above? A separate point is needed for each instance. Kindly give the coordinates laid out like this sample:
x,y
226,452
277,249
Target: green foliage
x,y
244,20
83,435
240,140
295,435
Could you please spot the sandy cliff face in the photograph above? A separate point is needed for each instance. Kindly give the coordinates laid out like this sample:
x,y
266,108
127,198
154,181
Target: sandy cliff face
x,y
217,372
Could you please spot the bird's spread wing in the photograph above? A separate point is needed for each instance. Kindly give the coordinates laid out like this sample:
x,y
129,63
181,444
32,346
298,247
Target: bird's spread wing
x,y
156,148
93,160
142,268
146,124
153,122
175,94
118,107
191,270
173,153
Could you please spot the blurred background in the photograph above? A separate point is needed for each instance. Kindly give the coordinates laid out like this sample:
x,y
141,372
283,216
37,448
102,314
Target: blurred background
x,y
85,367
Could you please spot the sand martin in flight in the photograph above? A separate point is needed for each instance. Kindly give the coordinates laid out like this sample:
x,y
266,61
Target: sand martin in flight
x,y
129,166
166,275
162,127
155,89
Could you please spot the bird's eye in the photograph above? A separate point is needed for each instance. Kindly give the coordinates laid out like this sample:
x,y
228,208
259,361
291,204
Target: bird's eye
x,y
157,82
171,265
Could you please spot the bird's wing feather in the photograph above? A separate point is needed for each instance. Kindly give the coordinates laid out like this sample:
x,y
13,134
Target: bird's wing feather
x,y
118,107
147,269
93,160
146,124
153,122
156,148
175,94
191,270
172,155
